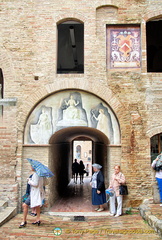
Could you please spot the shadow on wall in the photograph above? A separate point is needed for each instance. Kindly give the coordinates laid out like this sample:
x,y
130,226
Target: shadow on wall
x,y
60,164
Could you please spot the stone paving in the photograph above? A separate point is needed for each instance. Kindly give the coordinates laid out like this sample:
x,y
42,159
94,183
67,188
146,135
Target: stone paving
x,y
151,213
59,222
102,227
156,210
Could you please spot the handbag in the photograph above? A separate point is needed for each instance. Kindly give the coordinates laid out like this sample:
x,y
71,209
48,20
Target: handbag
x,y
158,165
25,197
123,189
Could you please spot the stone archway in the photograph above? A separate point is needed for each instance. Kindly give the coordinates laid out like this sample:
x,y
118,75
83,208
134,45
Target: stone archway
x,y
61,118
60,156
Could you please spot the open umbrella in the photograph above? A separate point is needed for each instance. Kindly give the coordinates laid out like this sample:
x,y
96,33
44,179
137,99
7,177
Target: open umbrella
x,y
41,169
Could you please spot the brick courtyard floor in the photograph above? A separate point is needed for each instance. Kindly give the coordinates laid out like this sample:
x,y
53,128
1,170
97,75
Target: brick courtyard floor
x,y
77,202
102,227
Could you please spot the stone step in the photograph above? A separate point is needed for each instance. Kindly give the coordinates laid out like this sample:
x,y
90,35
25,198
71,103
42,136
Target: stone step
x,y
6,214
3,204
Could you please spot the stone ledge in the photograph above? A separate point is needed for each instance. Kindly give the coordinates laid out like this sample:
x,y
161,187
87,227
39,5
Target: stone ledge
x,y
7,214
153,221
3,204
8,101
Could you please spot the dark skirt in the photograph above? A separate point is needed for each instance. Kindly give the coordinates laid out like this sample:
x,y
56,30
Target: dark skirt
x,y
98,199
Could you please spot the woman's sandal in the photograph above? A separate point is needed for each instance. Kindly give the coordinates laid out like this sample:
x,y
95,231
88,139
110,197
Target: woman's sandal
x,y
33,214
23,224
100,209
96,209
38,222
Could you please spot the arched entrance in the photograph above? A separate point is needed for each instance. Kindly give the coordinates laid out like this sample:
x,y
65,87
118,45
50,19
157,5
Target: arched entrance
x,y
61,156
59,120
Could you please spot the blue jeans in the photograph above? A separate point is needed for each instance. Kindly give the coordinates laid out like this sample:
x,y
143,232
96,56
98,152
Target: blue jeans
x,y
159,181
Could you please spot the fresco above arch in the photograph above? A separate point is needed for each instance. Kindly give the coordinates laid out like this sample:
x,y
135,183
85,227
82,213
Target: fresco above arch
x,y
68,109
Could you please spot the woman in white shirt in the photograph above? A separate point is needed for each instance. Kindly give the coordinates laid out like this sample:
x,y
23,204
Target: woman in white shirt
x,y
35,198
117,179
158,174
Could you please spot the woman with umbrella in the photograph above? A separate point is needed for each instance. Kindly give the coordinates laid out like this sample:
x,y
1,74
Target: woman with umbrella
x,y
37,193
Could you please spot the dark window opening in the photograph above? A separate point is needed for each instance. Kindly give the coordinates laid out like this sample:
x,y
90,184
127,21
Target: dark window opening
x,y
154,46
156,146
1,90
1,83
78,152
70,55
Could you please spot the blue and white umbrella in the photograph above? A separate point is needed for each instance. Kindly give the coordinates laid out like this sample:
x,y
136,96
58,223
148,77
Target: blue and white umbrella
x,y
110,193
41,169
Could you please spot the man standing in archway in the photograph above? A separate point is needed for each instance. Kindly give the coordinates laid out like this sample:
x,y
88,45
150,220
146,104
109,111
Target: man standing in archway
x,y
75,170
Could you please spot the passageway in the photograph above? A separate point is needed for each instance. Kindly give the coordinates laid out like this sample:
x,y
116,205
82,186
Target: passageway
x,y
61,157
76,198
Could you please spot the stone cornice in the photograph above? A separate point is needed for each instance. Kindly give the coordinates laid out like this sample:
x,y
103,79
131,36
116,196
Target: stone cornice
x,y
8,101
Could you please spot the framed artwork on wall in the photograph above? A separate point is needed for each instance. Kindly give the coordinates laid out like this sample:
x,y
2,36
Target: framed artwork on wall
x,y
123,47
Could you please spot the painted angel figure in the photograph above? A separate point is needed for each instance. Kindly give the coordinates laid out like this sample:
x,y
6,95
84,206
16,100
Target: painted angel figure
x,y
102,123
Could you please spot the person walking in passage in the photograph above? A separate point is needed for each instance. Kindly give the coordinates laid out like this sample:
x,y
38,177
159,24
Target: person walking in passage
x,y
35,198
81,171
158,174
98,188
117,179
75,170
87,170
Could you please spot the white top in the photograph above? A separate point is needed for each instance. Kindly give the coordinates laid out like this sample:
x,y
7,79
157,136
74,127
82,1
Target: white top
x,y
157,174
36,191
94,180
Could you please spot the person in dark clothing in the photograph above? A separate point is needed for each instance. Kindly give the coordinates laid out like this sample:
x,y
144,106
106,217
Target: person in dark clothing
x,y
75,170
81,171
98,188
